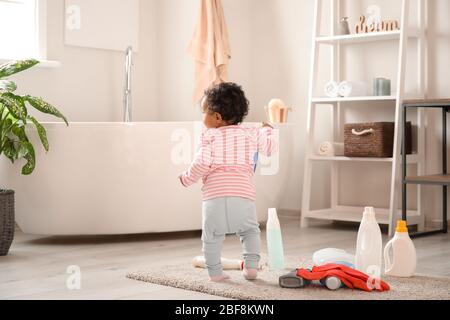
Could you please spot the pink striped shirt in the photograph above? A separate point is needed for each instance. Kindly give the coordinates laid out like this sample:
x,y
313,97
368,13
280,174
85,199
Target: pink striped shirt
x,y
225,161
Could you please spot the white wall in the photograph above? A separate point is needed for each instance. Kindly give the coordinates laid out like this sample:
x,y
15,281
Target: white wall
x,y
89,85
439,87
270,41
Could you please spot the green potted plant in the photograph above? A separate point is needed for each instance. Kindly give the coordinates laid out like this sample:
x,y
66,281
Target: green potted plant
x,y
14,142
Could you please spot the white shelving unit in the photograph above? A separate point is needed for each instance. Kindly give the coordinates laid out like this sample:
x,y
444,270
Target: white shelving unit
x,y
412,159
353,99
367,37
337,212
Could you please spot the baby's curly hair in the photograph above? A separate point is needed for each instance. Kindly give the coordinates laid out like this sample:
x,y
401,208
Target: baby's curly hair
x,y
227,99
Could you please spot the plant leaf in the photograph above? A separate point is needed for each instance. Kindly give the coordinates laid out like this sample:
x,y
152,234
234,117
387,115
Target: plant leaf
x,y
44,107
41,131
7,85
15,105
13,67
19,132
5,125
26,151
9,150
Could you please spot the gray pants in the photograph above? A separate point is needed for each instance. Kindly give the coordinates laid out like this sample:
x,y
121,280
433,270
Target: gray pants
x,y
230,215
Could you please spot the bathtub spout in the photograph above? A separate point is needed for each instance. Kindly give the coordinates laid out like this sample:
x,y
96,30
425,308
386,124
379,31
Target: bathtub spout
x,y
127,91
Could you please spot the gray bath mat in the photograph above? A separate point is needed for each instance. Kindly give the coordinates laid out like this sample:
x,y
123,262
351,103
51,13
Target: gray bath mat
x,y
184,276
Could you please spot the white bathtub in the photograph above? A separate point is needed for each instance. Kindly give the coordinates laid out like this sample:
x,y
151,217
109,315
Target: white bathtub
x,y
117,178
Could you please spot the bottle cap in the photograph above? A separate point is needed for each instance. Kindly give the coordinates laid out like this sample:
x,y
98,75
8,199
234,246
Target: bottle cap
x,y
402,227
333,283
369,211
273,213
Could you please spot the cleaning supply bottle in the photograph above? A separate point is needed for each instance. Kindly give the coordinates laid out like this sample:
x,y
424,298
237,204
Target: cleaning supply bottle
x,y
274,241
404,253
369,245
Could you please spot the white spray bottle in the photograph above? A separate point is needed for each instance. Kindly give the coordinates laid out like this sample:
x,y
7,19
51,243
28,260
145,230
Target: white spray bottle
x,y
369,245
274,241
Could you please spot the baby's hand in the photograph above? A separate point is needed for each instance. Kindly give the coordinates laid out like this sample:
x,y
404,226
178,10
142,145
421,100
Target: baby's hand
x,y
181,180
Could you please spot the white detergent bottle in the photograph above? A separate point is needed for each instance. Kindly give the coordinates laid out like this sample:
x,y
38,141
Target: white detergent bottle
x,y
369,246
274,241
404,254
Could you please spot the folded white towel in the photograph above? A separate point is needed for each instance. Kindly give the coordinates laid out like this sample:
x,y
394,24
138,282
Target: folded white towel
x,y
352,89
331,149
332,89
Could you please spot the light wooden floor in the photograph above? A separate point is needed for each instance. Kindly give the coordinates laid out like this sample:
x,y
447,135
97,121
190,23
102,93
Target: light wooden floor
x,y
36,267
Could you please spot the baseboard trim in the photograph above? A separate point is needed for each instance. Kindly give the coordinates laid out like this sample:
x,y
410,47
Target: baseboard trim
x,y
435,223
289,213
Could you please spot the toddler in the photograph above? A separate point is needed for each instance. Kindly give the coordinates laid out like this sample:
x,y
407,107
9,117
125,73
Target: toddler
x,y
225,162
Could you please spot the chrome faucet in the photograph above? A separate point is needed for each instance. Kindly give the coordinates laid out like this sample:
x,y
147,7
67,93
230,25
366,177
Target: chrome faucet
x,y
127,91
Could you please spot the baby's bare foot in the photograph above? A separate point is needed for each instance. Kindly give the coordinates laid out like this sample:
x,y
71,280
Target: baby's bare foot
x,y
250,274
220,278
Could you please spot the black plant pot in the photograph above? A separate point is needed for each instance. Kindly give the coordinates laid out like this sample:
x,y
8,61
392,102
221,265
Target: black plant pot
x,y
7,221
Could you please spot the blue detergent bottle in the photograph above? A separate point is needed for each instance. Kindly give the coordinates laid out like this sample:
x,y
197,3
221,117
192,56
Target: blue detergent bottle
x,y
274,241
255,161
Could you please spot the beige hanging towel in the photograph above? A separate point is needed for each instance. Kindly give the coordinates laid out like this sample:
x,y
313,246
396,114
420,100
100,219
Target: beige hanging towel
x,y
210,47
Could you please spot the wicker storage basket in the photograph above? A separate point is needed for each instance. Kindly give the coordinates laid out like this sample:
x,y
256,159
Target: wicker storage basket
x,y
6,220
373,140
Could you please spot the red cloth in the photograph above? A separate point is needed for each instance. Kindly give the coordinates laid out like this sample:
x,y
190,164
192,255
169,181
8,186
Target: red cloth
x,y
351,278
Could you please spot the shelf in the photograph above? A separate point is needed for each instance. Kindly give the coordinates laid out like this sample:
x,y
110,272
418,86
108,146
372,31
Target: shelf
x,y
427,103
347,159
411,159
354,99
364,37
391,98
344,215
438,179
355,214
